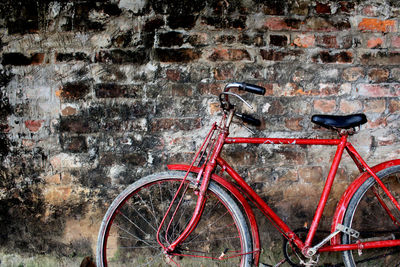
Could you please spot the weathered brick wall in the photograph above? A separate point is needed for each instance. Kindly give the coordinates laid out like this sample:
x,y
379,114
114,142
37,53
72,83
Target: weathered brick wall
x,y
95,94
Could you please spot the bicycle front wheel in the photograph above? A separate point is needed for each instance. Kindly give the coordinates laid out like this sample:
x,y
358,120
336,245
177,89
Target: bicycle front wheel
x,y
128,234
371,213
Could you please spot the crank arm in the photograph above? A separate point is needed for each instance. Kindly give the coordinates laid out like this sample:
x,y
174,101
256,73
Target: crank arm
x,y
339,228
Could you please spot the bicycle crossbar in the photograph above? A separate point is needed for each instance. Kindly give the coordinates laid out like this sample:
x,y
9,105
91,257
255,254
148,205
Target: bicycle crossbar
x,y
282,141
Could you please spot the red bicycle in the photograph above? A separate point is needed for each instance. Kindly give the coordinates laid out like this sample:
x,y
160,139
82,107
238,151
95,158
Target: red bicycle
x,y
195,215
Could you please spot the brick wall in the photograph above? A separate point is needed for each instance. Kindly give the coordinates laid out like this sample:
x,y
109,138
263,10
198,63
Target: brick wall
x,y
95,94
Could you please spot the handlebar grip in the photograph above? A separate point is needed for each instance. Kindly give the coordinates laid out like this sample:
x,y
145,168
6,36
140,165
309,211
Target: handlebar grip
x,y
251,88
249,119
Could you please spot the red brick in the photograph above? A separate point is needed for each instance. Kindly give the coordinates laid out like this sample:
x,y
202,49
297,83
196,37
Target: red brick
x,y
346,7
173,75
230,55
71,57
214,108
333,57
294,124
278,40
321,8
177,55
370,11
286,176
165,124
327,89
293,157
222,22
381,58
395,42
279,24
273,8
327,41
210,88
298,8
394,106
377,25
324,105
75,125
374,90
293,89
37,58
73,91
198,39
33,125
276,108
75,144
375,42
378,123
304,40
353,74
378,75
119,56
252,40
375,106
324,24
170,39
275,55
225,39
110,90
269,88
18,59
68,111
224,72
352,106
241,157
387,140
181,89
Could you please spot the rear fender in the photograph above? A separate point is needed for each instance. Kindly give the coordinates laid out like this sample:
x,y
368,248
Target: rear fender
x,y
348,194
239,197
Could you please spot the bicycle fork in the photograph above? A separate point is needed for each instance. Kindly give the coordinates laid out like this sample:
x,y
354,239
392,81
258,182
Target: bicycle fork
x,y
206,177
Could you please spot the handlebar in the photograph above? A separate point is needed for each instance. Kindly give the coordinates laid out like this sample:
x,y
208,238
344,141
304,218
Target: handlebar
x,y
251,88
249,119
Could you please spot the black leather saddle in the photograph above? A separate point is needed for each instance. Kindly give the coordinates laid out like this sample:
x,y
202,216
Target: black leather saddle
x,y
339,122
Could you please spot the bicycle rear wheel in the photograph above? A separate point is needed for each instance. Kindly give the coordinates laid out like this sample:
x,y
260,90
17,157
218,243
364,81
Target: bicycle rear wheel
x,y
368,212
128,234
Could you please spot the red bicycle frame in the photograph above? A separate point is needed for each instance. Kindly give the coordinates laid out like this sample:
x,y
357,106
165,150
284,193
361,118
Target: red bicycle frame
x,y
241,188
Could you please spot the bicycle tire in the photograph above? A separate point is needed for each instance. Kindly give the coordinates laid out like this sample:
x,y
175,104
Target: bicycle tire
x,y
121,242
366,215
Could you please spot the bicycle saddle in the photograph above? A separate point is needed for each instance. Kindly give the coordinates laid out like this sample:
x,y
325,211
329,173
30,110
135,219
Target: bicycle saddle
x,y
341,122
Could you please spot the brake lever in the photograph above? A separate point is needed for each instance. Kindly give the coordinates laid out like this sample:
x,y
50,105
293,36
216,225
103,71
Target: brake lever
x,y
238,96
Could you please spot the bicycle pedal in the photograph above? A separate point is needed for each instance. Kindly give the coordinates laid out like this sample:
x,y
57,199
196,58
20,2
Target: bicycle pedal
x,y
347,230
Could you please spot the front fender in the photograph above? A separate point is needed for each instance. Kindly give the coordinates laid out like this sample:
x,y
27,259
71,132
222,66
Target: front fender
x,y
348,194
239,197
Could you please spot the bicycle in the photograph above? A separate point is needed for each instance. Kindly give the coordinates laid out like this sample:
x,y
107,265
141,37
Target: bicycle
x,y
193,213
